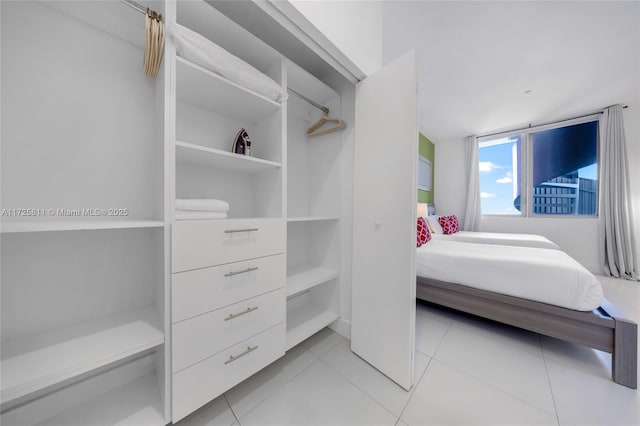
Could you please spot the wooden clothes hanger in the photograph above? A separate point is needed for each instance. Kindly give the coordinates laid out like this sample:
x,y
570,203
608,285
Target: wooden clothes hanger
x,y
315,129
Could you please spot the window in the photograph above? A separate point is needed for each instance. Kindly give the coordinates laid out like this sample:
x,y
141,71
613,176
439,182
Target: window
x,y
424,173
500,175
553,171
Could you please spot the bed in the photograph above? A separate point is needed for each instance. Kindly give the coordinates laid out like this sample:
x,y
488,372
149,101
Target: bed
x,y
428,212
540,290
501,238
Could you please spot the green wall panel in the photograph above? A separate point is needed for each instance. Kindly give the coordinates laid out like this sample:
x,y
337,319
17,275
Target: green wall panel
x,y
427,150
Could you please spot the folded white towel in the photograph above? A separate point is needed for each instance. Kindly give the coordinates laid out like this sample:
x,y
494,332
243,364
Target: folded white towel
x,y
192,215
209,205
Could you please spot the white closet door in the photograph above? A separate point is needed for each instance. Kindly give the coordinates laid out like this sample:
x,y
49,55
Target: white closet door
x,y
384,223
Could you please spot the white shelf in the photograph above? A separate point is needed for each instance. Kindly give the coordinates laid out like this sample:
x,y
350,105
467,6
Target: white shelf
x,y
37,362
137,403
304,83
213,92
211,23
305,277
77,225
310,218
217,158
305,321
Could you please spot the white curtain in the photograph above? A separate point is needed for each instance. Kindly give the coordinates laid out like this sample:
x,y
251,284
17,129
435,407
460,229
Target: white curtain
x,y
617,241
472,212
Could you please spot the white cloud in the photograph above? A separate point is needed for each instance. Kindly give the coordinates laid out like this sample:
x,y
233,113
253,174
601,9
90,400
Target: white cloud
x,y
487,195
487,166
508,178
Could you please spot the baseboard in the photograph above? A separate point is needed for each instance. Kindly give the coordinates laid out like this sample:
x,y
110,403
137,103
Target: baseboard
x,y
342,327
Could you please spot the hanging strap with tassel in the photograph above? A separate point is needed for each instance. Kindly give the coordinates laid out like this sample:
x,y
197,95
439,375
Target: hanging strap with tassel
x,y
154,43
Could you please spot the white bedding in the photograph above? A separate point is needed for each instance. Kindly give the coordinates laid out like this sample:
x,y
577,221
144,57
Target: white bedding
x,y
523,240
542,275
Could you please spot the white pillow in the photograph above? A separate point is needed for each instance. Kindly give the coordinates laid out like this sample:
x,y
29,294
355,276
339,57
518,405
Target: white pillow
x,y
434,224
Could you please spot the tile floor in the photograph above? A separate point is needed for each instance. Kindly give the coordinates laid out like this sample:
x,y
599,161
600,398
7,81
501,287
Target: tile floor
x,y
469,371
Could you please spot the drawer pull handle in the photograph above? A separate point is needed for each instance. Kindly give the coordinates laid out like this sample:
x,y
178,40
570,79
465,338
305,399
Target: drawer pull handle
x,y
244,271
239,314
235,357
233,231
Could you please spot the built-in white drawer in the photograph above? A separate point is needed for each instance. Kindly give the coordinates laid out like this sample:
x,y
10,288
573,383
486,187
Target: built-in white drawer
x,y
203,290
199,244
198,338
195,386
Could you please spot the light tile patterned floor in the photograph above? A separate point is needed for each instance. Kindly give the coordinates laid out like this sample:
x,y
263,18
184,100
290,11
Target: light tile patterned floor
x,y
469,371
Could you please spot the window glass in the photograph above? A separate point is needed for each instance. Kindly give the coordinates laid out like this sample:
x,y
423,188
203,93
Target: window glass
x,y
565,170
500,176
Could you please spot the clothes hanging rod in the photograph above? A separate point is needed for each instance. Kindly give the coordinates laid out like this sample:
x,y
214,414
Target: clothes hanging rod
x,y
140,8
135,5
304,98
600,111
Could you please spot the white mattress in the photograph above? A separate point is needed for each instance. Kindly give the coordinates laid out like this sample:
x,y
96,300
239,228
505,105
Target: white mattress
x,y
542,275
523,240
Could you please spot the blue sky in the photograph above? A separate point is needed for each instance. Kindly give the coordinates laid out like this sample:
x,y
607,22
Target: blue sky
x,y
497,176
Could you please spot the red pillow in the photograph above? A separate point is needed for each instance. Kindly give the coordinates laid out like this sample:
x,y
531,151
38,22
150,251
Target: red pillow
x,y
449,224
423,235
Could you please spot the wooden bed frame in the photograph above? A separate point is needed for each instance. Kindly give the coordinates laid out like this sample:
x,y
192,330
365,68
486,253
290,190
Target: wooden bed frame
x,y
601,329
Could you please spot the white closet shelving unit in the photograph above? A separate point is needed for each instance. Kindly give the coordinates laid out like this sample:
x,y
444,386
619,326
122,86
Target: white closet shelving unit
x,y
224,160
313,210
86,310
78,225
211,109
37,362
241,257
215,93
311,218
304,277
83,297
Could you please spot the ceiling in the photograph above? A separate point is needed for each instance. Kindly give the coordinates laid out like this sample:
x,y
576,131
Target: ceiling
x,y
478,58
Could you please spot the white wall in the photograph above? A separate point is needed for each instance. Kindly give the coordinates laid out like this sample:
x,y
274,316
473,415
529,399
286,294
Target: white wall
x,y
578,237
450,186
355,27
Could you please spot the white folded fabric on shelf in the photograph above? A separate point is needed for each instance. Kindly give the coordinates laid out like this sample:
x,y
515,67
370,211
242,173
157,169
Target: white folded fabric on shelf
x,y
193,215
206,205
200,50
